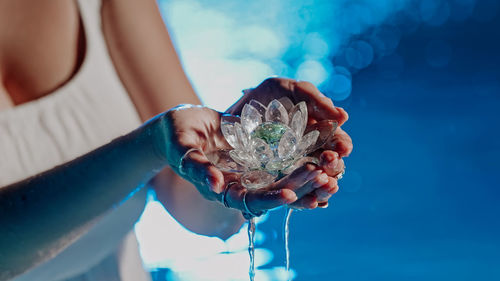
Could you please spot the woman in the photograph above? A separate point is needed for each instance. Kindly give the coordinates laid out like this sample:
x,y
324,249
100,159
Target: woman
x,y
75,76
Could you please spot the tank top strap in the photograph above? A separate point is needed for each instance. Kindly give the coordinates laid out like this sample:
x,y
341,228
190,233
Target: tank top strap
x,y
89,11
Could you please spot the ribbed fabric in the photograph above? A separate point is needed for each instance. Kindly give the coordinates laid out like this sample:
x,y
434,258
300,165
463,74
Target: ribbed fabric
x,y
87,112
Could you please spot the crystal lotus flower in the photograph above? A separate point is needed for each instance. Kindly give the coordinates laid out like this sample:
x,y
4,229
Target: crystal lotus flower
x,y
268,141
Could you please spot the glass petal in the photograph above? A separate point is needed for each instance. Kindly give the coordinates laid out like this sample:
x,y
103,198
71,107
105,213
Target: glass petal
x,y
229,134
276,112
241,158
326,130
250,118
261,150
277,164
301,161
302,107
228,129
287,103
298,123
257,179
223,161
243,139
259,106
306,142
287,145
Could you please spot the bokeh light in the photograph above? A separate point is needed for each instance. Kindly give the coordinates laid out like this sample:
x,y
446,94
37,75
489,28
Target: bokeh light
x,y
359,54
312,71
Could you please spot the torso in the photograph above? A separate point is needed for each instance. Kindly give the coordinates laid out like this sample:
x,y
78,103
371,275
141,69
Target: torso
x,y
57,84
37,56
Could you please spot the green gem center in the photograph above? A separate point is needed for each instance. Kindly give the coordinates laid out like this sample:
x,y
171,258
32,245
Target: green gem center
x,y
270,132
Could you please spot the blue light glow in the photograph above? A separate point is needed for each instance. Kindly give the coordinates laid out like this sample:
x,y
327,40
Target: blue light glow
x,y
312,71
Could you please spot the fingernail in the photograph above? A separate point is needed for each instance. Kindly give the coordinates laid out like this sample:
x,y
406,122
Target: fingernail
x,y
323,205
332,190
292,199
314,205
212,184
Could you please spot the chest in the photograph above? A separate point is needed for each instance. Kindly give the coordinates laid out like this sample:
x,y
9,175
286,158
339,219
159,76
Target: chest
x,y
42,45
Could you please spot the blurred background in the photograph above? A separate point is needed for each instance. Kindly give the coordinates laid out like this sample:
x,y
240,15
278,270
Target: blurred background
x,y
421,82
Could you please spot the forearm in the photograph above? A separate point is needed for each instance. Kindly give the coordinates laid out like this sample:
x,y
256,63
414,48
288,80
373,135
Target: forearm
x,y
144,56
187,205
150,69
43,214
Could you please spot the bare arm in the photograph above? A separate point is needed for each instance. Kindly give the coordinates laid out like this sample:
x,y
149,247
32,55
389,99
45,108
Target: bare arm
x,y
149,67
41,215
144,56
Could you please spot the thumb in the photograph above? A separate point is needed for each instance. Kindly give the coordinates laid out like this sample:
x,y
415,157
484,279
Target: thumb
x,y
196,168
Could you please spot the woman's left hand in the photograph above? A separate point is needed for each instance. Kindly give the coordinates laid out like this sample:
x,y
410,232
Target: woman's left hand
x,y
320,108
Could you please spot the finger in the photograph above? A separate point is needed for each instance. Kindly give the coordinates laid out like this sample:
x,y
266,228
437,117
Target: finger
x,y
341,142
258,200
318,105
196,168
298,178
313,184
309,201
326,191
329,162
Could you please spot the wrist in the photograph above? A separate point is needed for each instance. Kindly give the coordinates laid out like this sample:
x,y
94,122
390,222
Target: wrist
x,y
161,130
156,130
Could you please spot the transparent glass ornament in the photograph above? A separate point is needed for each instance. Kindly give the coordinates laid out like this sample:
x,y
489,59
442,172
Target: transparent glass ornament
x,y
268,141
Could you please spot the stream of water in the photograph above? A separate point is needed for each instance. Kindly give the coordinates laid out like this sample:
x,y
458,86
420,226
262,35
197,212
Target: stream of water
x,y
286,232
251,247
251,244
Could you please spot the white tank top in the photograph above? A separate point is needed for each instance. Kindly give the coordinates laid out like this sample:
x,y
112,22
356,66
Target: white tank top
x,y
87,112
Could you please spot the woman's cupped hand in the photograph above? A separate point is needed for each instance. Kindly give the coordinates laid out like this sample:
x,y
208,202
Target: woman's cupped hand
x,y
188,133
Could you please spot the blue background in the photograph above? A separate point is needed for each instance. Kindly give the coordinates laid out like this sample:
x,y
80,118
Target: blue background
x,y
420,199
